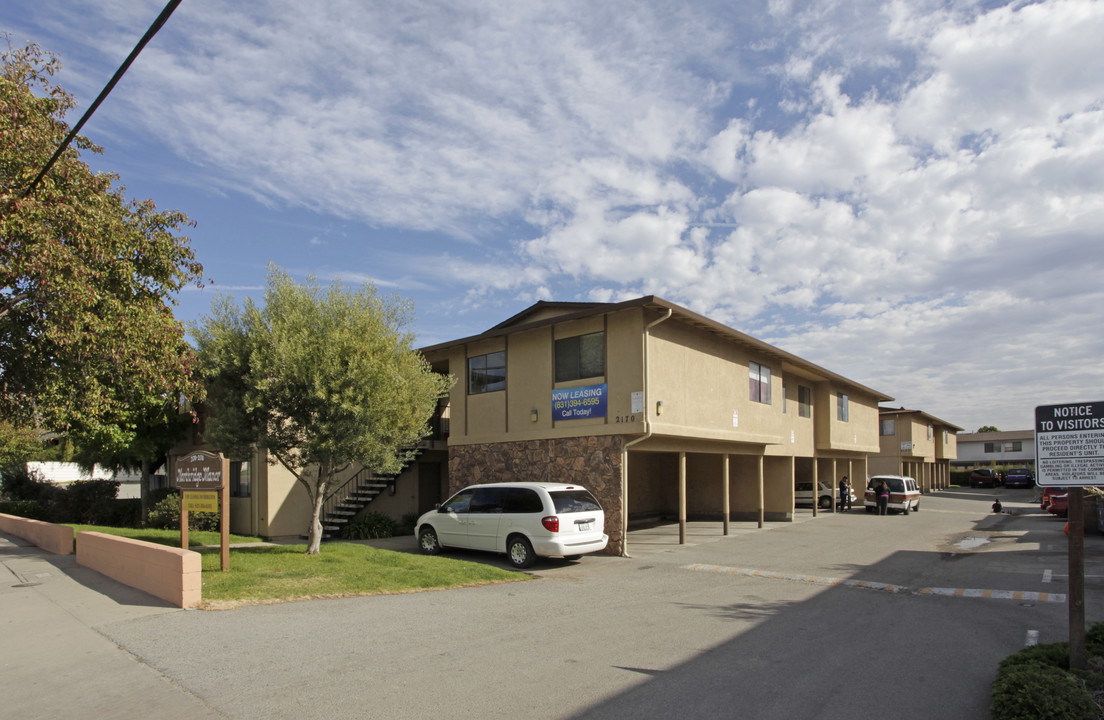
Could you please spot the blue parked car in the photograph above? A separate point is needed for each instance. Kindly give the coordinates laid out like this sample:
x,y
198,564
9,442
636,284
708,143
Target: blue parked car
x,y
1019,477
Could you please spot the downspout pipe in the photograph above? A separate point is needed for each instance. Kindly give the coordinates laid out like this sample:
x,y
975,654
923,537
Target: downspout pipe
x,y
647,434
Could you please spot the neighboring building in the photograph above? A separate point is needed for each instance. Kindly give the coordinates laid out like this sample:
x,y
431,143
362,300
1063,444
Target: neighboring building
x,y
661,412
1010,447
916,444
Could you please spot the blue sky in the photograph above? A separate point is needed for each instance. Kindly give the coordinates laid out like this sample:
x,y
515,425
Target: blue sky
x,y
907,193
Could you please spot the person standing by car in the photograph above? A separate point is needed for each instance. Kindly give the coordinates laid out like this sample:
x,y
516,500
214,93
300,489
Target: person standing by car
x,y
881,493
845,495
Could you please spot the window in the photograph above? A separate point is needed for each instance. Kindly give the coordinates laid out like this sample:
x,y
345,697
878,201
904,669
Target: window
x,y
783,397
992,447
888,427
458,503
239,479
487,500
1015,446
759,382
929,432
487,373
582,356
574,501
523,500
804,401
841,407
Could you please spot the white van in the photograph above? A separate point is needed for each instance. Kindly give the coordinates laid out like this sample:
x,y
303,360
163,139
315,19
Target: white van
x,y
904,493
523,520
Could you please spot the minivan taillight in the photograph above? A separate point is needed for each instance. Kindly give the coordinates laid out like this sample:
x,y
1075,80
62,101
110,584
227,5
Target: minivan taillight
x,y
551,523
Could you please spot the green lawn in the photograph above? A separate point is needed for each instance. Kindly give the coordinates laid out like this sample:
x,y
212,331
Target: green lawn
x,y
282,573
164,537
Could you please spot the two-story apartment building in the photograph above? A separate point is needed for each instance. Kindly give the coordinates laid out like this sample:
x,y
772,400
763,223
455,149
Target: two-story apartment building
x,y
916,444
1013,447
660,411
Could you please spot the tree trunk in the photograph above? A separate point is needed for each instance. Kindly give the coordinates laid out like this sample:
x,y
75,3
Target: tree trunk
x,y
314,538
144,490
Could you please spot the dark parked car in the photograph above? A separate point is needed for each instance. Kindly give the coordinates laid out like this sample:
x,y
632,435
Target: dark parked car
x,y
984,477
1019,477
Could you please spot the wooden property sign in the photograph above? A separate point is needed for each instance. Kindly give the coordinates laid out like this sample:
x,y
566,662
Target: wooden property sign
x,y
201,478
199,470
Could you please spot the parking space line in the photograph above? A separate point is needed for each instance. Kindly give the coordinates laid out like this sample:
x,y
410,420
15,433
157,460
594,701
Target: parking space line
x,y
884,587
1032,638
1047,575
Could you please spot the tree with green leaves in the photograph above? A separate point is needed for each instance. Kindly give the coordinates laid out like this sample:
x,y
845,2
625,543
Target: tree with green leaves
x,y
88,341
988,429
320,378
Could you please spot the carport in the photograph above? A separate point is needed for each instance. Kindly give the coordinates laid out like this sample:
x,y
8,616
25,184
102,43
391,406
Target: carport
x,y
683,496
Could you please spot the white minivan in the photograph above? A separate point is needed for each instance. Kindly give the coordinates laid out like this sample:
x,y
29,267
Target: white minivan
x,y
904,493
524,520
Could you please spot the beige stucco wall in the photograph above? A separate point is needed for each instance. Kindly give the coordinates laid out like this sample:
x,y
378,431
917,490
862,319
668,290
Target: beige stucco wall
x,y
57,539
507,414
702,381
172,574
284,504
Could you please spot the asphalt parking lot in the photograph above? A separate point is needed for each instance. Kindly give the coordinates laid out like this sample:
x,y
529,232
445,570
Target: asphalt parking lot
x,y
840,616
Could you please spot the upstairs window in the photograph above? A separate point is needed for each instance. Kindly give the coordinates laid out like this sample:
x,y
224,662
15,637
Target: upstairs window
x,y
487,373
929,432
759,383
888,427
581,356
783,397
804,401
992,447
841,407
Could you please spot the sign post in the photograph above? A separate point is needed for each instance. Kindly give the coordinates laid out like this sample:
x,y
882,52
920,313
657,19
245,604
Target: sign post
x,y
1069,452
198,476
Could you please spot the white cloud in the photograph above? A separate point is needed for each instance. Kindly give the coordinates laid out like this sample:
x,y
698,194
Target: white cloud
x,y
894,189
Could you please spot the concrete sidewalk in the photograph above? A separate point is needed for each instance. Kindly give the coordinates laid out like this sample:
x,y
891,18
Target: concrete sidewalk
x,y
55,662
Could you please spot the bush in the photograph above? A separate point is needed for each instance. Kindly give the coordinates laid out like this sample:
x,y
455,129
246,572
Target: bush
x,y
86,502
1040,692
18,484
22,508
369,526
125,513
165,515
406,525
1036,684
1052,654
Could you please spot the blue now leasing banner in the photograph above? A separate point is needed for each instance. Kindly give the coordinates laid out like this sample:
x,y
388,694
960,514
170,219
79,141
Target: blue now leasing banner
x,y
579,402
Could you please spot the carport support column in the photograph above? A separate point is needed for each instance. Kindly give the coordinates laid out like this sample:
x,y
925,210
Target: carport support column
x,y
762,510
682,498
725,492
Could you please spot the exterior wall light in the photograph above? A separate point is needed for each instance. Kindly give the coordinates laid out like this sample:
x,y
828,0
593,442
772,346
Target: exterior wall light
x,y
532,416
659,408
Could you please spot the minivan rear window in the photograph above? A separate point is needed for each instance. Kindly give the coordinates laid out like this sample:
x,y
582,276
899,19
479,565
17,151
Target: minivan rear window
x,y
573,501
523,500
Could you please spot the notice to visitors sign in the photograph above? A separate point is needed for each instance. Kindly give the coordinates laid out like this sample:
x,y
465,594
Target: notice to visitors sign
x,y
1069,444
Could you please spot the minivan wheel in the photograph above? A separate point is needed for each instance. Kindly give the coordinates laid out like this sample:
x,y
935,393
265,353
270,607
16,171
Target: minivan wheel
x,y
520,552
427,540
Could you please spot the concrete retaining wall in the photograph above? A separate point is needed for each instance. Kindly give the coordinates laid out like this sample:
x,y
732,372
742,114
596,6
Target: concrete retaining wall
x,y
57,539
172,574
